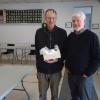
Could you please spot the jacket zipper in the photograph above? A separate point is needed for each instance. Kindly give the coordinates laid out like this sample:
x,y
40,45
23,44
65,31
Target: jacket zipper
x,y
50,39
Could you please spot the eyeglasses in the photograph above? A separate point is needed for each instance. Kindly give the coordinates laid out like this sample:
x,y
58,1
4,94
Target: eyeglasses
x,y
51,18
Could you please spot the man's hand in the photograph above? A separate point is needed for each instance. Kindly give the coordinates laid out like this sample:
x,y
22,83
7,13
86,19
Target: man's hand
x,y
67,71
51,61
85,76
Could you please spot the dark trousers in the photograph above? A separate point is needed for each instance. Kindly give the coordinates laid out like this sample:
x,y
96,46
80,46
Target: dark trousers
x,y
81,88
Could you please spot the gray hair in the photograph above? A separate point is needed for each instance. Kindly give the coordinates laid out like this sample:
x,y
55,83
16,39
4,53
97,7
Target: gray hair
x,y
80,14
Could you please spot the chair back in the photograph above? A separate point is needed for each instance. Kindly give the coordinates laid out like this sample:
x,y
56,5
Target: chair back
x,y
10,50
32,52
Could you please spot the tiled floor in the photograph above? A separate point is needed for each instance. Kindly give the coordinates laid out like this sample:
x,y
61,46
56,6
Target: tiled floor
x,y
31,84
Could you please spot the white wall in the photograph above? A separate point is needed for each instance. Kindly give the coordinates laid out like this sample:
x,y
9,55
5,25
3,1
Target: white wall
x,y
24,33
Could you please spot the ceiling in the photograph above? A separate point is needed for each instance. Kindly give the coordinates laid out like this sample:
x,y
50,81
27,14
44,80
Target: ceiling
x,y
40,1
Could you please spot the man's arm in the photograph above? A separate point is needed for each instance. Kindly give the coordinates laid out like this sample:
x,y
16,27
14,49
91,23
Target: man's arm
x,y
95,56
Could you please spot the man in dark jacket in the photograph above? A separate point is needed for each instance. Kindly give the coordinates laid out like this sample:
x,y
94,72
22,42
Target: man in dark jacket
x,y
49,71
83,58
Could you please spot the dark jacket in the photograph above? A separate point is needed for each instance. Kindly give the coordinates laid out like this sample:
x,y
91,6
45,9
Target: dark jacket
x,y
44,38
83,53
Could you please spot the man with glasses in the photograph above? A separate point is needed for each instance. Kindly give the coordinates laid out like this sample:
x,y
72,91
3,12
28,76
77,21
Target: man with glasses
x,y
49,71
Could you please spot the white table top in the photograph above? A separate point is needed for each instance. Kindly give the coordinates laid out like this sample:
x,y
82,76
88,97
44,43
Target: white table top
x,y
10,76
17,47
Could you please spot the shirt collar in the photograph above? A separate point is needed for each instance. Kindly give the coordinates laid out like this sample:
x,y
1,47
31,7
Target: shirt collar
x,y
52,30
80,32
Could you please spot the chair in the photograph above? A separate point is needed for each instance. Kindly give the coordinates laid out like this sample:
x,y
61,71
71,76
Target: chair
x,y
32,52
9,51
